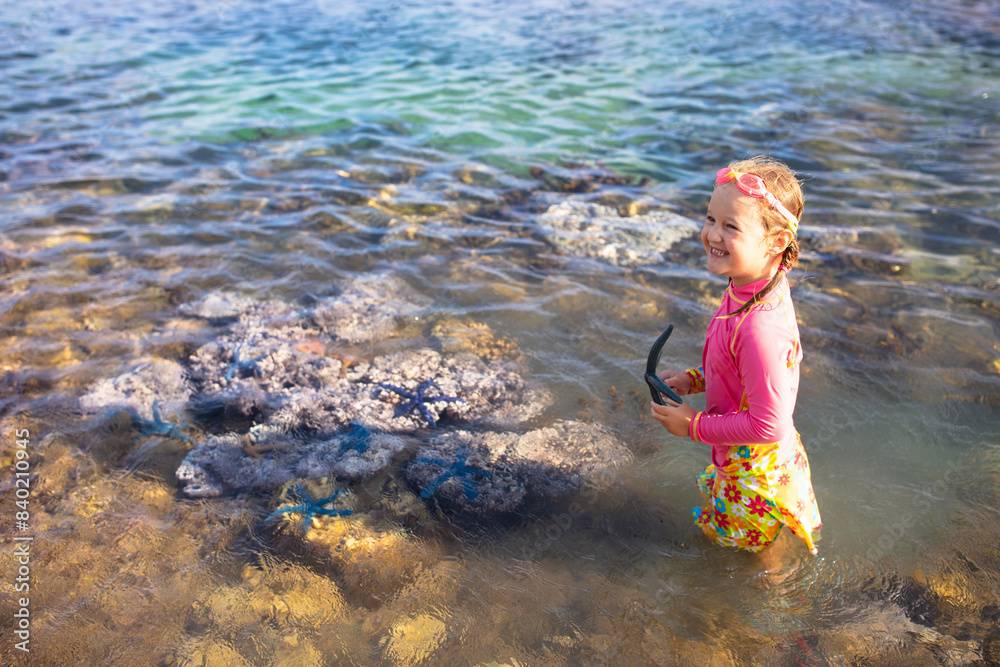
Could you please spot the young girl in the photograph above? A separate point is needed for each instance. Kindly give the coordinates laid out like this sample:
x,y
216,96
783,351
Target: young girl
x,y
759,476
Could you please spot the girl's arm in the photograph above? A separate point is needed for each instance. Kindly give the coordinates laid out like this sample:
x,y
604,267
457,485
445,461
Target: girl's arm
x,y
767,357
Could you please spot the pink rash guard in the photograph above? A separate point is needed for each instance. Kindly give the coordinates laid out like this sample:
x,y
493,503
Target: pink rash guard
x,y
751,370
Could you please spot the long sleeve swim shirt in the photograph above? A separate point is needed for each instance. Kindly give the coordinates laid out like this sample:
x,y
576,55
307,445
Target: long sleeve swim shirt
x,y
751,368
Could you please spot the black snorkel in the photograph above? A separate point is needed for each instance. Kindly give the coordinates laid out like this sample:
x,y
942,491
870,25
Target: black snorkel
x,y
656,385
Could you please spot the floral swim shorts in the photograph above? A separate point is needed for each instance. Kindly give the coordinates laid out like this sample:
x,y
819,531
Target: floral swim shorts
x,y
753,494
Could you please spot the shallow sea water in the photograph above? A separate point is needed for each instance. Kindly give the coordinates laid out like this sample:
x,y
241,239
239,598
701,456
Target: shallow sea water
x,y
151,156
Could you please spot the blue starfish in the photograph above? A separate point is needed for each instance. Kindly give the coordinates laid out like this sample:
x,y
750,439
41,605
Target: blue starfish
x,y
359,439
157,426
310,508
418,401
459,469
241,365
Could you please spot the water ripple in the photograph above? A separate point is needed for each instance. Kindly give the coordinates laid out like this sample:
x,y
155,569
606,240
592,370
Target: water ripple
x,y
152,155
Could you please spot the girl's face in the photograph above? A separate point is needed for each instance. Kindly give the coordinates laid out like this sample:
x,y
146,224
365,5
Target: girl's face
x,y
734,238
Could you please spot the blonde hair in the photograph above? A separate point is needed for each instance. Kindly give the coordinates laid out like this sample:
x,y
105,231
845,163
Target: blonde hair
x,y
782,183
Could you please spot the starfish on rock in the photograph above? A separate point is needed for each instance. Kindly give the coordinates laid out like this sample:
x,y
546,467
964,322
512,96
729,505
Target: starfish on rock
x,y
240,365
419,401
357,437
459,469
309,508
157,426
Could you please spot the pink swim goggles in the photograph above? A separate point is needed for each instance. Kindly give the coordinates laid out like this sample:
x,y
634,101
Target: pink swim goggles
x,y
753,185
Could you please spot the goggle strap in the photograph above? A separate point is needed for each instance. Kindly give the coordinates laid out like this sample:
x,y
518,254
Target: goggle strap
x,y
780,208
721,178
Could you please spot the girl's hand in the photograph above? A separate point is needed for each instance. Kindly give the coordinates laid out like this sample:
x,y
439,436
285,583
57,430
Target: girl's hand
x,y
675,418
679,381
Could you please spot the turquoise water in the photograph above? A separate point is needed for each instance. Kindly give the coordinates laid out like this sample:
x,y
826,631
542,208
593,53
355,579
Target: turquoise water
x,y
151,155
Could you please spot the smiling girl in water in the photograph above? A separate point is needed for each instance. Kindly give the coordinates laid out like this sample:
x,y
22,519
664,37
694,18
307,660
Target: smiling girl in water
x,y
759,477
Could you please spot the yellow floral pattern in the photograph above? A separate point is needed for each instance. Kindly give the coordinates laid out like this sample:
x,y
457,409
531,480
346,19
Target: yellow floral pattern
x,y
753,494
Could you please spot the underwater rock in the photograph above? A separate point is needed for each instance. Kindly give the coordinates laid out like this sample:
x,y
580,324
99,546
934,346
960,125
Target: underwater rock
x,y
247,316
48,321
269,456
370,308
206,651
869,249
159,380
495,471
580,177
494,393
124,528
353,456
586,229
875,262
304,431
274,316
238,407
233,608
286,406
274,360
830,238
242,381
381,394
198,482
578,450
883,635
300,501
462,472
217,306
281,605
438,585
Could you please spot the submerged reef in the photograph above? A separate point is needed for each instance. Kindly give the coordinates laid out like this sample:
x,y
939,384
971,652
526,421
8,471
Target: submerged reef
x,y
282,395
217,306
300,389
156,380
461,472
587,229
269,457
371,308
305,428
494,471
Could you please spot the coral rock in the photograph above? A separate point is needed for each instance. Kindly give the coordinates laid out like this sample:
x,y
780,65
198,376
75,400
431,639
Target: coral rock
x,y
586,229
